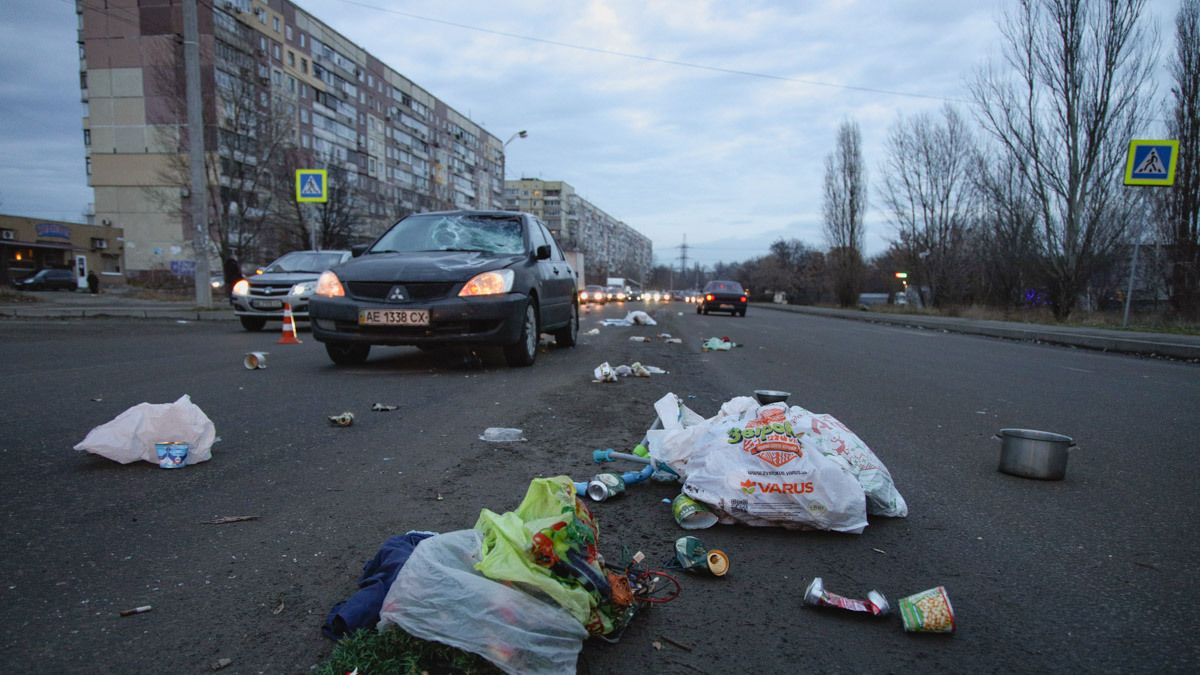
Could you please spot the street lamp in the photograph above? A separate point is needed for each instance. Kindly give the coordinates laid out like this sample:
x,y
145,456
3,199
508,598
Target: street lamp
x,y
520,134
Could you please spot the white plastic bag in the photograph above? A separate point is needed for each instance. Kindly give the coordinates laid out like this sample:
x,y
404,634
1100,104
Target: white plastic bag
x,y
439,595
131,435
640,318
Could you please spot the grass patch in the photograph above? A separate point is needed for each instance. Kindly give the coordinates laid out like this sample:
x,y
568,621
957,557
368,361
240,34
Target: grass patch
x,y
16,297
395,652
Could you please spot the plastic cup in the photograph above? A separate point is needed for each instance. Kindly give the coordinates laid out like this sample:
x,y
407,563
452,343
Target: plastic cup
x,y
691,514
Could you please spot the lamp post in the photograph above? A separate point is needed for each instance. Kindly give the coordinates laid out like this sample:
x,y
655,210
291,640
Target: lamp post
x,y
520,134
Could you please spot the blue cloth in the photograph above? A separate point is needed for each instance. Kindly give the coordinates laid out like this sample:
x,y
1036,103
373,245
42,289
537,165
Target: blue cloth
x,y
362,609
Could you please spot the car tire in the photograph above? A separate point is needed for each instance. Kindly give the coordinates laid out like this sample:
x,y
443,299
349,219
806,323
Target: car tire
x,y
347,353
705,311
699,309
567,336
742,313
523,352
252,323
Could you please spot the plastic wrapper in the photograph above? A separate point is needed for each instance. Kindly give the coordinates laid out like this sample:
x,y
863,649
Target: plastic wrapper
x,y
132,435
440,596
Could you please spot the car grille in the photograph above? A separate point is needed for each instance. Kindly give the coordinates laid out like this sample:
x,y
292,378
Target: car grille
x,y
378,290
269,290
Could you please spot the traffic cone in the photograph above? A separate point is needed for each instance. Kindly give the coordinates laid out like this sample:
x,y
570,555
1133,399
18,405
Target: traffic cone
x,y
289,327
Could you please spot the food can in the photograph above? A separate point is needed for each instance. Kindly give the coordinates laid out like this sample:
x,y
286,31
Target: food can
x,y
171,454
928,612
605,485
255,360
691,554
691,514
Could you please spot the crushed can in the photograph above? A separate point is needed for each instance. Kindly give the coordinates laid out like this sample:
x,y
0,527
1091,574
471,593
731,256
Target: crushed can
x,y
605,485
691,514
816,596
254,360
171,454
928,612
343,420
692,555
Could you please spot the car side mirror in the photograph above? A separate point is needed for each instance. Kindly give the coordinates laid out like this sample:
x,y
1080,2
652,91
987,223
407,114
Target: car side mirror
x,y
358,249
542,252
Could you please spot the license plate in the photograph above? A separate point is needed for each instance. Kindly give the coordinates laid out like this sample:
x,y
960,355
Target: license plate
x,y
725,306
393,317
266,304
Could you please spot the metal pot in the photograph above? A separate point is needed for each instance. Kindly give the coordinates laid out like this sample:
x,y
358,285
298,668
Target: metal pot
x,y
768,396
1034,454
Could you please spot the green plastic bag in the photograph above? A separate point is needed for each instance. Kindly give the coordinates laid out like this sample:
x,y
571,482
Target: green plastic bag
x,y
548,546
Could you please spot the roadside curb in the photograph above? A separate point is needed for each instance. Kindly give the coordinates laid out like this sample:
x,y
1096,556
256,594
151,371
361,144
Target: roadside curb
x,y
113,313
1146,344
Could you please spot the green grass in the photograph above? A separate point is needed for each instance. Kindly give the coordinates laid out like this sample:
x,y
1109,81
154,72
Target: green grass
x,y
395,652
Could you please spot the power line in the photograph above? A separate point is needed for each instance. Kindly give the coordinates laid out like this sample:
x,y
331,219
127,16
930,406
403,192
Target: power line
x,y
653,59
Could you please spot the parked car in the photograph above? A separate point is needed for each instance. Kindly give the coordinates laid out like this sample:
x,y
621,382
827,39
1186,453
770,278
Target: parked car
x,y
48,280
291,279
455,277
723,296
593,293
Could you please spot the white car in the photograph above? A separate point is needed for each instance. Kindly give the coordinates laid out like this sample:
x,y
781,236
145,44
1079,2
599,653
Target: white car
x,y
291,279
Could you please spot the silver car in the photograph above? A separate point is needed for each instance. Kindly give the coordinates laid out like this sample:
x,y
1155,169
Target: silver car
x,y
291,279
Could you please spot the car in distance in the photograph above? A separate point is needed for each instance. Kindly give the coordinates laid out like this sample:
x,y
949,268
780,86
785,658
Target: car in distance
x,y
454,277
48,280
593,293
723,296
615,293
291,279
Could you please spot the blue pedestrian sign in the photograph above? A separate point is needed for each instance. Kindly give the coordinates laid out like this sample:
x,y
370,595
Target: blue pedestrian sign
x,y
312,185
1152,163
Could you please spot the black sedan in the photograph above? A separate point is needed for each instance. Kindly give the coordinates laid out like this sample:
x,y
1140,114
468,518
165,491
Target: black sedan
x,y
48,280
723,296
455,277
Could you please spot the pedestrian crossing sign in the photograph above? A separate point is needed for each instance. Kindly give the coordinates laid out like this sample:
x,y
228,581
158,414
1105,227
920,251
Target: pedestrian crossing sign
x,y
1152,163
312,185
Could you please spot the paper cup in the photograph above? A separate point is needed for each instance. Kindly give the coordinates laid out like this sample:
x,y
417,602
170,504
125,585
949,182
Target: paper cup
x,y
255,360
171,455
691,514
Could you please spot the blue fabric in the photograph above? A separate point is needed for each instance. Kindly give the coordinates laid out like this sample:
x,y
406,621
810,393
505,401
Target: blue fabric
x,y
362,609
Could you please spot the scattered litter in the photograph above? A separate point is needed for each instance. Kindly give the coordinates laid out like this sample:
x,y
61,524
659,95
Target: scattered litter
x,y
673,341
664,336
639,338
639,370
220,663
255,360
692,555
604,486
666,501
718,344
656,644
691,514
927,612
616,322
640,318
132,435
879,550
816,596
439,497
594,331
343,420
654,370
97,400
171,454
681,314
605,373
362,609
136,610
222,520
682,646
181,321
502,435
278,608
379,407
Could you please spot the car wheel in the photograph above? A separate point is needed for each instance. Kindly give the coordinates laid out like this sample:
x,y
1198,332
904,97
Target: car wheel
x,y
699,309
705,311
252,323
347,353
567,336
742,313
523,352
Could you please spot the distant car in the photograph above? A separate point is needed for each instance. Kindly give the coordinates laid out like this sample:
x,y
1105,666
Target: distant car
x,y
615,294
593,293
723,296
633,295
48,280
453,277
291,279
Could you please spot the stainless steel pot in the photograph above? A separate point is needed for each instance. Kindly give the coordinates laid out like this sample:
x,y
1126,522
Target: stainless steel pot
x,y
1034,454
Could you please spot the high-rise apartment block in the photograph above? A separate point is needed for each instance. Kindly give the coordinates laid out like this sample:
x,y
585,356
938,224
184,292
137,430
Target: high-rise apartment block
x,y
281,91
610,247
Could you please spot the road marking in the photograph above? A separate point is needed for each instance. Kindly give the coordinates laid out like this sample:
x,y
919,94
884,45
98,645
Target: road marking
x,y
1079,370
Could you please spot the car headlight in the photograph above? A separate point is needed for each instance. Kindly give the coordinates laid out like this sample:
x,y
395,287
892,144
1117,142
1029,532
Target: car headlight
x,y
328,285
303,288
242,287
488,283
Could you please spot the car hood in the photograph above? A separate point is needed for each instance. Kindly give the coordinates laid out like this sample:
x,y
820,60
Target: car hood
x,y
282,278
423,266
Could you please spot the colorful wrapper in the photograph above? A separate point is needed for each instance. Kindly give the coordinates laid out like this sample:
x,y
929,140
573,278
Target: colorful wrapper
x,y
928,612
816,596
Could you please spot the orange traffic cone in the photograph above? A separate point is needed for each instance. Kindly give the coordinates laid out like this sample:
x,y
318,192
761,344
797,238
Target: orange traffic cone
x,y
289,328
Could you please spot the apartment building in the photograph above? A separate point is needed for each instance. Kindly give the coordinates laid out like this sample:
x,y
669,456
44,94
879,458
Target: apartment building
x,y
281,91
610,247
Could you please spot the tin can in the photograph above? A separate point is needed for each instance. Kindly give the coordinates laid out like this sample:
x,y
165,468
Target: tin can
x,y
255,360
171,454
692,555
691,514
343,420
928,612
605,485
816,596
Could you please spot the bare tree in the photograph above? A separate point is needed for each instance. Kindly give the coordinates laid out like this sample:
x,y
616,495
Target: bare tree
x,y
1005,241
1180,228
927,189
331,224
1080,71
845,203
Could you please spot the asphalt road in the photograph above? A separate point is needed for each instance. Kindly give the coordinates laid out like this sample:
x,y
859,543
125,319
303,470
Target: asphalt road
x,y
1091,574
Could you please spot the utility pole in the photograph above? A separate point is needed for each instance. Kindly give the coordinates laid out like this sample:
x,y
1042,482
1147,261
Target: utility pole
x,y
683,258
195,125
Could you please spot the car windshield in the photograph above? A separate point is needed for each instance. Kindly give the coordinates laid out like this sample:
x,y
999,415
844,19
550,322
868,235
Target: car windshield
x,y
723,287
304,261
499,234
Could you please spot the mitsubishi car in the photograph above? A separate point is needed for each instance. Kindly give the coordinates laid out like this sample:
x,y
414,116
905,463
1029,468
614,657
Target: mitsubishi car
x,y
456,277
291,279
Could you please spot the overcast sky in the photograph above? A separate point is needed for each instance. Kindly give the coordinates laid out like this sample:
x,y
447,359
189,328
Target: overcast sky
x,y
733,161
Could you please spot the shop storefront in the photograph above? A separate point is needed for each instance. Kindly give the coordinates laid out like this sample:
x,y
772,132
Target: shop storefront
x,y
30,244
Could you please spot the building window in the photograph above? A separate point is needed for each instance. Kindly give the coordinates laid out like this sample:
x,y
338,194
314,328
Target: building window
x,y
83,79
291,58
303,40
276,24
288,31
277,52
87,136
87,165
303,90
291,84
304,65
262,44
304,140
304,115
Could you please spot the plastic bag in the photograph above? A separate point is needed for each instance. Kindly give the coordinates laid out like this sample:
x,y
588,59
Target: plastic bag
x,y
502,435
440,596
640,318
131,435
